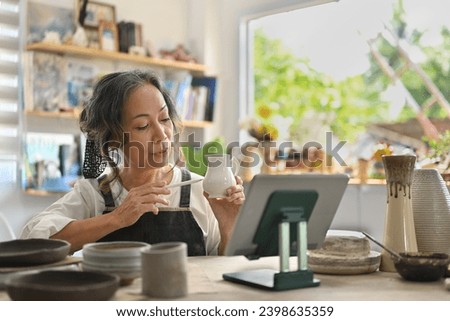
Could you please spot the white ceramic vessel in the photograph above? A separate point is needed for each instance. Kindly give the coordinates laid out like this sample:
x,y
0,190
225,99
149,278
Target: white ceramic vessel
x,y
431,208
219,175
399,231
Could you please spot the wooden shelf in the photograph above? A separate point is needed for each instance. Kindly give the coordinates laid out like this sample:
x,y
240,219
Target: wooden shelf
x,y
196,123
76,113
38,192
54,114
118,56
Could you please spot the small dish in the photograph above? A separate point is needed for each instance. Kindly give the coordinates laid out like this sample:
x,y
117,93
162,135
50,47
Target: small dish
x,y
32,252
62,286
421,266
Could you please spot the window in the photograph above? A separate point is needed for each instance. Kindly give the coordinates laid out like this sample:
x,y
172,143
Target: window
x,y
9,93
326,80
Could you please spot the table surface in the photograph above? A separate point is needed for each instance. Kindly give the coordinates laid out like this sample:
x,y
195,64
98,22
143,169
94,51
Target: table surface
x,y
206,283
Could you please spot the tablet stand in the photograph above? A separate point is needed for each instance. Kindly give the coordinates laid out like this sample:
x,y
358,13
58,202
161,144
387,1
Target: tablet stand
x,y
281,211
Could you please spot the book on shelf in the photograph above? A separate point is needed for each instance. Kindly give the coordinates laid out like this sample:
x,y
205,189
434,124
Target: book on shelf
x,y
123,36
182,95
196,104
52,162
44,83
206,87
194,97
80,81
130,34
178,84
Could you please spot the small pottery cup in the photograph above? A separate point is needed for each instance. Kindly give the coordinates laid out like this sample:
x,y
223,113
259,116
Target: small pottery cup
x,y
164,270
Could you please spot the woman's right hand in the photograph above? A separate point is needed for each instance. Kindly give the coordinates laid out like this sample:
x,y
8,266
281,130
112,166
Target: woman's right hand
x,y
140,200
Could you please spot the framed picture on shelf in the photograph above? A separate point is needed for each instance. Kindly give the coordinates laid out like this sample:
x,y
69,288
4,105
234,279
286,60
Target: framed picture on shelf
x,y
43,17
108,36
96,12
92,36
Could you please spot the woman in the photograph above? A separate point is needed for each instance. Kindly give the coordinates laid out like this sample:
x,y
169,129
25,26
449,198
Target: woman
x,y
132,112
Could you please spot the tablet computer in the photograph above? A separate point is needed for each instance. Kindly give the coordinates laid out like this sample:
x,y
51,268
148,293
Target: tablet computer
x,y
329,187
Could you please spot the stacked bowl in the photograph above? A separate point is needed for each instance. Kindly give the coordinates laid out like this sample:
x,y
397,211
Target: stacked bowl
x,y
121,258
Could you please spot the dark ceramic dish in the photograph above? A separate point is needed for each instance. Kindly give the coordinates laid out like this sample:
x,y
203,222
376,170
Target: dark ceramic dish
x,y
421,266
62,286
32,252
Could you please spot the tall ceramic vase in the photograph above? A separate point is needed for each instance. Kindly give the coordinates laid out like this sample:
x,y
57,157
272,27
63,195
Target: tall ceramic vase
x,y
399,231
431,208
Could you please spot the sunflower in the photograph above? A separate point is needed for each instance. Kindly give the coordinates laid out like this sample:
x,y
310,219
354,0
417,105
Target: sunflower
x,y
264,111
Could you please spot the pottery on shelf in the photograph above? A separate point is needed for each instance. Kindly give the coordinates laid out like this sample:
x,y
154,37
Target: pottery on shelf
x,y
79,37
431,208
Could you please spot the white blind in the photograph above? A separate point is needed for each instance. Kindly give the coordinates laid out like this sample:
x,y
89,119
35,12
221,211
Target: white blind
x,y
9,92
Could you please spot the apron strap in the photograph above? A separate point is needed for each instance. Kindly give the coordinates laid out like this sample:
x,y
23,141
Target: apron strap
x,y
107,196
185,198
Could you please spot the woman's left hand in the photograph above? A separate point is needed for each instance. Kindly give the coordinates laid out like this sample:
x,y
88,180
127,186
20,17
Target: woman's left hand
x,y
226,209
234,199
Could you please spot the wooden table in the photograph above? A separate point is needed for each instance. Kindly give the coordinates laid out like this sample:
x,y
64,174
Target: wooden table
x,y
206,284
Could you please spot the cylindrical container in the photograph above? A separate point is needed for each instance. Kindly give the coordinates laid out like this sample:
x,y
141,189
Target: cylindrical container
x,y
431,208
164,270
399,230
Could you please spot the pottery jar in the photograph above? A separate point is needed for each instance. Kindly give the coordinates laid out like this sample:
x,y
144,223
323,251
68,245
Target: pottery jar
x,y
399,230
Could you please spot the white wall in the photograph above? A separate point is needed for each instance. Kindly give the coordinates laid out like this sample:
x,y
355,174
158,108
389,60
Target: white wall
x,y
164,23
222,28
362,208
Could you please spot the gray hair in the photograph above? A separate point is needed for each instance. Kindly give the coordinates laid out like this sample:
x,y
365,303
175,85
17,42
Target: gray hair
x,y
101,119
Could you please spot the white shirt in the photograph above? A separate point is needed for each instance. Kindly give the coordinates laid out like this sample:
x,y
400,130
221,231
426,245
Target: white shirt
x,y
85,201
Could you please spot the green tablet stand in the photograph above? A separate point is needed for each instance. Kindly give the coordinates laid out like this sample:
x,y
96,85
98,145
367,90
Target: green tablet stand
x,y
282,231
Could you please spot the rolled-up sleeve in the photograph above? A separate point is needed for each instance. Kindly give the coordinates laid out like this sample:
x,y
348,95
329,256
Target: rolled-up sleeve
x,y
80,203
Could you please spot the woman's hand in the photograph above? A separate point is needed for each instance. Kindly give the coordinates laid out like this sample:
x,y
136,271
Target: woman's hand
x,y
226,210
140,200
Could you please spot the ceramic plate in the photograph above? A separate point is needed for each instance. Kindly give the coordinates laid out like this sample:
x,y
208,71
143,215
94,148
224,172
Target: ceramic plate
x,y
62,286
343,265
32,252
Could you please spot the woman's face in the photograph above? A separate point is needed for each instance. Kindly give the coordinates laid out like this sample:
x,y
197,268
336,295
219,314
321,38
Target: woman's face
x,y
148,129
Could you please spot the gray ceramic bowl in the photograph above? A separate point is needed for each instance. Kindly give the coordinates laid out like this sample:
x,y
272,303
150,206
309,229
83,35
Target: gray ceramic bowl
x,y
122,258
422,266
32,252
62,286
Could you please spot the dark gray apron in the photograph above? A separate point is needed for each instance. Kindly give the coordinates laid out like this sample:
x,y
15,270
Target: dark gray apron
x,y
177,225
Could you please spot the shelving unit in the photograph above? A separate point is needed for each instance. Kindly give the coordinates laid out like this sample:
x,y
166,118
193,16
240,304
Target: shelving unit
x,y
75,114
117,56
82,52
66,122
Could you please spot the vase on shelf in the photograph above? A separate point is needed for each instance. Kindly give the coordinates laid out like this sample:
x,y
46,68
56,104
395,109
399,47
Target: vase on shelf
x,y
267,157
79,37
431,209
399,229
